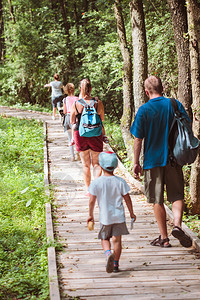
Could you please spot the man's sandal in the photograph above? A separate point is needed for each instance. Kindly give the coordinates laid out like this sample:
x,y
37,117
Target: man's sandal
x,y
183,238
161,242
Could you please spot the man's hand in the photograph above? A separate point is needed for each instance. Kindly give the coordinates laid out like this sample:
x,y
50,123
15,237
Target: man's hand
x,y
137,170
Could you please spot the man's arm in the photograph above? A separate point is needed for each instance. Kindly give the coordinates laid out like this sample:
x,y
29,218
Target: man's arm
x,y
137,149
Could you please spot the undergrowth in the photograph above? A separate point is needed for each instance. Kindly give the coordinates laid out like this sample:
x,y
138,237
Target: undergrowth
x,y
23,246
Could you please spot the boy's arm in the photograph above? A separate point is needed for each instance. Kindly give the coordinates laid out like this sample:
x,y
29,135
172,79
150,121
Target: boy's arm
x,y
128,201
91,207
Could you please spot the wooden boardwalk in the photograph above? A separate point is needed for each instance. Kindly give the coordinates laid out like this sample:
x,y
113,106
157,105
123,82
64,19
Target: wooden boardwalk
x,y
146,272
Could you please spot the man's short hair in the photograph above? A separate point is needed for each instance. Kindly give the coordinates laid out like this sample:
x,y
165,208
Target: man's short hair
x,y
153,84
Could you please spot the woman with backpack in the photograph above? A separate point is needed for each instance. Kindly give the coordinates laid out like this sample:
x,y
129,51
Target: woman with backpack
x,y
88,146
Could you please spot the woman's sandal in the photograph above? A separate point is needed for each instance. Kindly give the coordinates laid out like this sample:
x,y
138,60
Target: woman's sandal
x,y
161,242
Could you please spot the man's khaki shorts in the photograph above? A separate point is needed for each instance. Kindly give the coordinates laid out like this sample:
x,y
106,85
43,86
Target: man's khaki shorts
x,y
155,179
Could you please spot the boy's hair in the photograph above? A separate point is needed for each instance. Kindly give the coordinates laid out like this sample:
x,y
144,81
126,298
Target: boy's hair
x,y
85,86
56,76
153,84
69,88
108,161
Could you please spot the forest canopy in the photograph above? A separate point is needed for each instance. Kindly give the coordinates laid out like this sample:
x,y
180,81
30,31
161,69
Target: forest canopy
x,y
77,39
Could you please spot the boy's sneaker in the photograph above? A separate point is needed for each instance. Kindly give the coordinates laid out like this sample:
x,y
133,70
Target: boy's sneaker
x,y
110,263
115,269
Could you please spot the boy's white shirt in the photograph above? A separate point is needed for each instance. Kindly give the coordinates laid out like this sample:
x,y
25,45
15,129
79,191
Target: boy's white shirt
x,y
109,191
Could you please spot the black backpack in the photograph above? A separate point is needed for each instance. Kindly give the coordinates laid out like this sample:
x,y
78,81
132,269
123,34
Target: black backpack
x,y
183,146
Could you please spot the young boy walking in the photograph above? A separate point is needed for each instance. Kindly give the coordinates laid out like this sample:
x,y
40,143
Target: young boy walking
x,y
110,190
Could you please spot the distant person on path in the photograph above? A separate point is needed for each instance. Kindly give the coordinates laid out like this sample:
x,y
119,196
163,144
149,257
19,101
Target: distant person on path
x,y
88,147
67,105
56,93
110,190
152,123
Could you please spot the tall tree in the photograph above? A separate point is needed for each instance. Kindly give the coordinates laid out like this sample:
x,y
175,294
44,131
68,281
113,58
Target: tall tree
x,y
11,11
128,105
139,52
2,40
193,11
64,15
179,20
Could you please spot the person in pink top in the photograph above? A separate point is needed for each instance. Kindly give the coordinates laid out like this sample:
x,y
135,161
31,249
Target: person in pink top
x,y
67,104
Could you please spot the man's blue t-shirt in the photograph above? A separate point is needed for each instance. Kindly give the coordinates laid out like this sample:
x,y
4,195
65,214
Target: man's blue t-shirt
x,y
152,123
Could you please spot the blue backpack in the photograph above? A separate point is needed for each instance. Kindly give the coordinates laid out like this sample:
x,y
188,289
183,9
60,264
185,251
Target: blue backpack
x,y
90,122
183,145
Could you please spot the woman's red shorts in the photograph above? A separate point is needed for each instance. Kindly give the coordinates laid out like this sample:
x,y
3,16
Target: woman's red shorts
x,y
84,143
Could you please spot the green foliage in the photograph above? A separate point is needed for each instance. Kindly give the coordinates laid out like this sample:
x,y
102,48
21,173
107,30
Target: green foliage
x,y
23,247
40,42
161,46
114,134
193,222
37,46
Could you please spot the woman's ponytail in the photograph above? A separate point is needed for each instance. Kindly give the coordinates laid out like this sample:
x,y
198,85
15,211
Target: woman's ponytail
x,y
85,86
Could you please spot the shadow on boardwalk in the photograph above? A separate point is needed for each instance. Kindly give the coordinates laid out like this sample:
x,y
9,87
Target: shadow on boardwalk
x,y
146,272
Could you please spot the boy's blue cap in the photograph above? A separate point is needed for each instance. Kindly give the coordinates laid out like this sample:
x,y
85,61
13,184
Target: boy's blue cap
x,y
108,161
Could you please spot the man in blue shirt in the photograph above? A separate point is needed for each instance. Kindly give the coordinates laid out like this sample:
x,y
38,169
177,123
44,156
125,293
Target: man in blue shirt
x,y
152,124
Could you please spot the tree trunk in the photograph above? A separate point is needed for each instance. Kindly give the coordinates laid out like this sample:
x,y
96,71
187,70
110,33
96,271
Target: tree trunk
x,y
76,18
128,105
193,10
2,40
11,11
64,16
179,20
139,52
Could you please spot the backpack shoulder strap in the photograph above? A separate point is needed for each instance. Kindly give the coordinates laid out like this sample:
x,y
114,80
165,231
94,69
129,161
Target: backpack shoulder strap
x,y
83,102
76,107
174,105
92,102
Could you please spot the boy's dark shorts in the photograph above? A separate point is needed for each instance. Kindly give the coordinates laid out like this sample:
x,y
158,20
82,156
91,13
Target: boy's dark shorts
x,y
107,231
156,178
